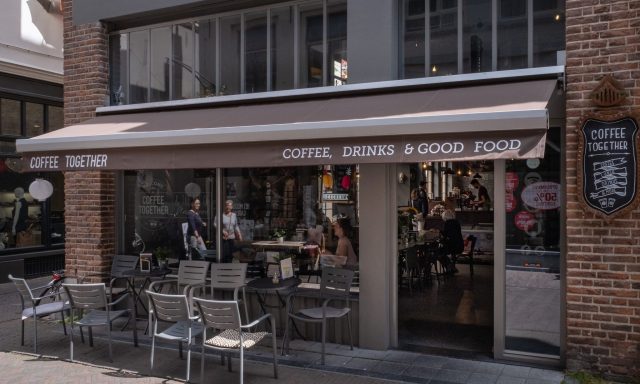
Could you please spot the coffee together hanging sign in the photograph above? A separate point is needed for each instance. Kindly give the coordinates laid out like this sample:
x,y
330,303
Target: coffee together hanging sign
x,y
609,162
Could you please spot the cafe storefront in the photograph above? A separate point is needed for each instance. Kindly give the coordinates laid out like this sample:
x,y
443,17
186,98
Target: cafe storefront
x,y
295,162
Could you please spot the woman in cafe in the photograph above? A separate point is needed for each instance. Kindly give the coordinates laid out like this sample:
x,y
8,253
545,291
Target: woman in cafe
x,y
230,232
345,255
196,226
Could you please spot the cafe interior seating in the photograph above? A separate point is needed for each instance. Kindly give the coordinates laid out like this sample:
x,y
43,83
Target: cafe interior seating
x,y
467,254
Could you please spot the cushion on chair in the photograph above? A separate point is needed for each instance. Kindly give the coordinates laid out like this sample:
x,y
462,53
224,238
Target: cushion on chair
x,y
230,338
316,313
45,309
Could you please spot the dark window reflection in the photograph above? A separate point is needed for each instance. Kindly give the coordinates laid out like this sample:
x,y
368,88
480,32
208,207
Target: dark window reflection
x,y
160,63
256,52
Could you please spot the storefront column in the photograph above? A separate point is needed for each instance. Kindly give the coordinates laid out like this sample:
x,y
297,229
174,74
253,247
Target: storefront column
x,y
89,196
90,222
377,225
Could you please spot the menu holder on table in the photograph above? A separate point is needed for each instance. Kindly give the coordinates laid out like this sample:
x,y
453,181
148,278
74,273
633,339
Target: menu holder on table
x,y
145,262
286,267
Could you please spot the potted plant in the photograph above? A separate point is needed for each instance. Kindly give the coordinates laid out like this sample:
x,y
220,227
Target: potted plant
x,y
279,234
162,254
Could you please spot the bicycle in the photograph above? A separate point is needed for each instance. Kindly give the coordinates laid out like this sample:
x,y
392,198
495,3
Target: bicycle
x,y
52,288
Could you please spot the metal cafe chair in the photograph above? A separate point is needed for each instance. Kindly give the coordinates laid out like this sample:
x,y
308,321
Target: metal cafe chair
x,y
37,309
92,298
192,274
119,265
224,318
334,286
467,254
227,276
173,309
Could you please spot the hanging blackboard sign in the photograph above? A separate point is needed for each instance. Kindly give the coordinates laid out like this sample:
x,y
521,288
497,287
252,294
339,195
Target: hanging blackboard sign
x,y
608,164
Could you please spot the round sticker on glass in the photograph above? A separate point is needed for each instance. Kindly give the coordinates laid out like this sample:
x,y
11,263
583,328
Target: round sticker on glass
x,y
533,163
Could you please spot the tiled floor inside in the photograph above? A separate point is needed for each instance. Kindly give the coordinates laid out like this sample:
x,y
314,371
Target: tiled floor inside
x,y
449,316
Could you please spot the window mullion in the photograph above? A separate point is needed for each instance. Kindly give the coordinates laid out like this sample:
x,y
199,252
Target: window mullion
x,y
296,46
427,39
325,54
529,33
494,35
269,69
242,54
460,32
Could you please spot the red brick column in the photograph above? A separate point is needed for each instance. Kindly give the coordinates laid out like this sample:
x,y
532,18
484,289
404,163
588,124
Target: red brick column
x,y
603,259
89,196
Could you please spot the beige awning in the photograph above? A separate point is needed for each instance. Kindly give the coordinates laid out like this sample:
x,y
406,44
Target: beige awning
x,y
494,121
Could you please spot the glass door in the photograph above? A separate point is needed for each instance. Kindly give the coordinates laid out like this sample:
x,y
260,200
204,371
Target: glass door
x,y
532,257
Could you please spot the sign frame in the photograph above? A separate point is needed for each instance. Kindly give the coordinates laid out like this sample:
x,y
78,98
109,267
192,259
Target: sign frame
x,y
606,117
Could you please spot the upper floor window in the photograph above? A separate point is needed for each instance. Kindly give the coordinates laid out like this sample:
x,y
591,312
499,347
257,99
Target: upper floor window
x,y
297,45
447,37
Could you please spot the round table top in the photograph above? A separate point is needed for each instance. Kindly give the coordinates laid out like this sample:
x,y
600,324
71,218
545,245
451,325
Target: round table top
x,y
154,272
266,284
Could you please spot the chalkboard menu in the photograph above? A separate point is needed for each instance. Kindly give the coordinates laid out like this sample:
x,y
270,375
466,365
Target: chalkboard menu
x,y
609,164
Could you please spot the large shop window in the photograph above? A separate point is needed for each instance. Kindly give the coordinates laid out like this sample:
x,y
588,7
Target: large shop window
x,y
438,38
24,221
232,53
313,210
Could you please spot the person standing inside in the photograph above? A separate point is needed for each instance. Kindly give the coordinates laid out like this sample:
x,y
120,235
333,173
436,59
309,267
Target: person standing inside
x,y
20,214
196,226
424,197
484,201
452,241
230,232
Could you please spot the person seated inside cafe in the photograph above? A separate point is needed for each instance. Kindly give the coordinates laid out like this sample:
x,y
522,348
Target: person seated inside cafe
x,y
344,256
451,240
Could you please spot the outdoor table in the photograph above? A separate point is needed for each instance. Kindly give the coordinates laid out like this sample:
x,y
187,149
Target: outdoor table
x,y
264,285
285,245
135,274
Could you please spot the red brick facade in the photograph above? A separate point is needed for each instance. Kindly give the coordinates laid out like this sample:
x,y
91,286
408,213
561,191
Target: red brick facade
x,y
603,258
89,196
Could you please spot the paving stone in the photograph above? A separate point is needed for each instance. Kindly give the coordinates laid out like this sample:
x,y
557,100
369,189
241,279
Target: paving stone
x,y
510,380
516,371
453,376
482,378
421,372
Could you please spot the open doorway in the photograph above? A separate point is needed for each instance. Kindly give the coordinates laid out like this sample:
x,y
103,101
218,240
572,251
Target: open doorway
x,y
445,290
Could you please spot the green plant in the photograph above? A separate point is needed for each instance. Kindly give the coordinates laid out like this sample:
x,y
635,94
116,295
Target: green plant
x,y
279,232
582,377
162,253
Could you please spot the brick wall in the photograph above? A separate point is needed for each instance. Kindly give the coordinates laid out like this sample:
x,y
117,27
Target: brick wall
x,y
89,196
603,259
